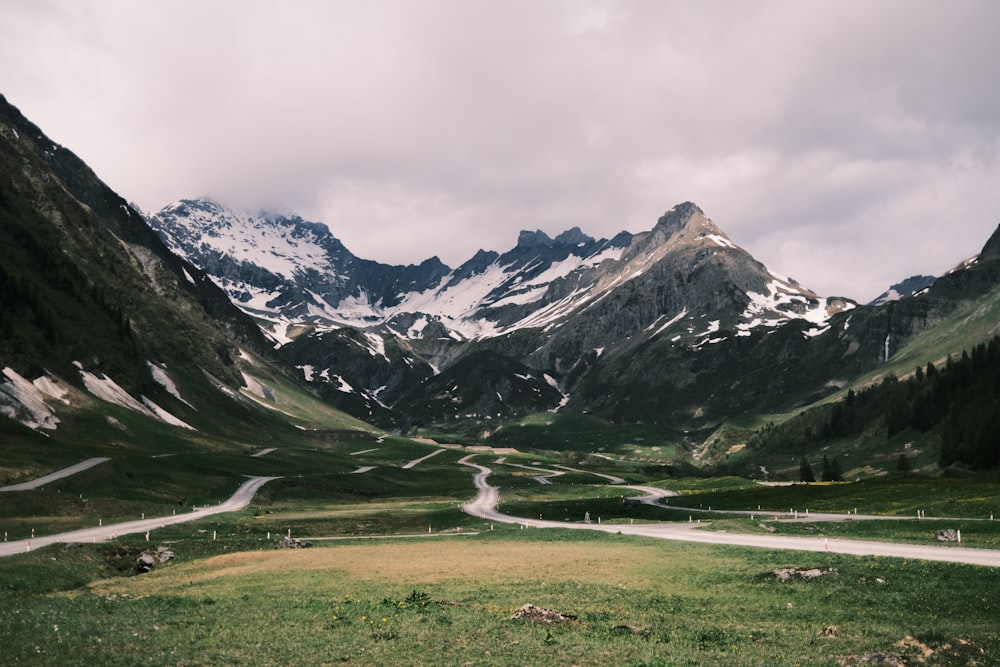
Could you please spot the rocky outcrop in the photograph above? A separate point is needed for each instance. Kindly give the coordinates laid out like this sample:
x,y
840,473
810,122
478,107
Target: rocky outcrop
x,y
541,615
786,573
289,542
150,558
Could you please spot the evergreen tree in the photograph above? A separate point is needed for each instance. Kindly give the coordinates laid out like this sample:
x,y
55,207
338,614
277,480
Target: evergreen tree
x,y
827,473
806,472
903,464
897,419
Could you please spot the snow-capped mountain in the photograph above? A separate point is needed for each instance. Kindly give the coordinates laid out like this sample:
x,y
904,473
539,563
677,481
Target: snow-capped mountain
x,y
285,271
291,274
294,276
554,305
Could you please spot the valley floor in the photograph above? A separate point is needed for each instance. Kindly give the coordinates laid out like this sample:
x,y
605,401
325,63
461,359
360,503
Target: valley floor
x,y
485,506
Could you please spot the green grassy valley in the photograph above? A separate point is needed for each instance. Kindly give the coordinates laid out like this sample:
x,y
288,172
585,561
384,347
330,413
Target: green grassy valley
x,y
398,574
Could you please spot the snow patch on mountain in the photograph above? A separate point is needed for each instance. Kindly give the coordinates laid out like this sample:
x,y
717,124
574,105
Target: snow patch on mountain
x,y
24,401
784,299
108,390
816,331
719,240
376,346
669,323
256,387
164,415
161,378
457,302
551,381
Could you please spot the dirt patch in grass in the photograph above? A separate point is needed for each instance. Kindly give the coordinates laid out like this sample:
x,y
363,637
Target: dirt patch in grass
x,y
423,562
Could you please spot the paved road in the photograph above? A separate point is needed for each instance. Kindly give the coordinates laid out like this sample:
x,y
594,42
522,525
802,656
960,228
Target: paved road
x,y
414,462
236,502
545,478
487,496
614,479
58,474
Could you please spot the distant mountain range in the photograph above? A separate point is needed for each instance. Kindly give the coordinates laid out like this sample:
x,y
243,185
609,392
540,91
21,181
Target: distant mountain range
x,y
677,326
291,274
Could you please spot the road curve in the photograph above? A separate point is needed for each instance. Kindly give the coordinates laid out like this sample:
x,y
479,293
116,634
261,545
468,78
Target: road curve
x,y
614,479
484,506
240,499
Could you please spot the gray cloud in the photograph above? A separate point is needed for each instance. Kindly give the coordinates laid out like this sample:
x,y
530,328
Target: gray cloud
x,y
846,144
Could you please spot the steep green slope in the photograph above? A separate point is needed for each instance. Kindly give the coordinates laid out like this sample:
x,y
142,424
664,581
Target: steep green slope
x,y
112,346
83,279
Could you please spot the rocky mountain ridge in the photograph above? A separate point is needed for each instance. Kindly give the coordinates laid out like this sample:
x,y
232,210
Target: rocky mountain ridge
x,y
553,307
294,275
909,287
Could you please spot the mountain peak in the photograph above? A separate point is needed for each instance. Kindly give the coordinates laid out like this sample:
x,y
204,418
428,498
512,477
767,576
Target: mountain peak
x,y
573,236
687,221
533,239
184,205
539,239
679,217
992,248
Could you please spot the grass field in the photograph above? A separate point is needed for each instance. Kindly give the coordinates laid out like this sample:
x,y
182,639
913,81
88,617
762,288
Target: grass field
x,y
449,601
897,495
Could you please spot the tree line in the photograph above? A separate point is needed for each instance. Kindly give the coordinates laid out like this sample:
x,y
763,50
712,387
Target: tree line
x,y
960,402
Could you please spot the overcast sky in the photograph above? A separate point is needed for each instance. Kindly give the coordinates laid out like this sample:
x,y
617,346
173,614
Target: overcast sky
x,y
848,144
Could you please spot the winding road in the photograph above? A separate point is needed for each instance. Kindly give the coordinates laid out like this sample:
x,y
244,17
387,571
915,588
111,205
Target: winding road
x,y
240,499
485,506
487,497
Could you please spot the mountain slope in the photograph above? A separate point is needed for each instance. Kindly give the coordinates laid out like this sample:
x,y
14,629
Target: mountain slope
x,y
98,316
84,270
908,287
